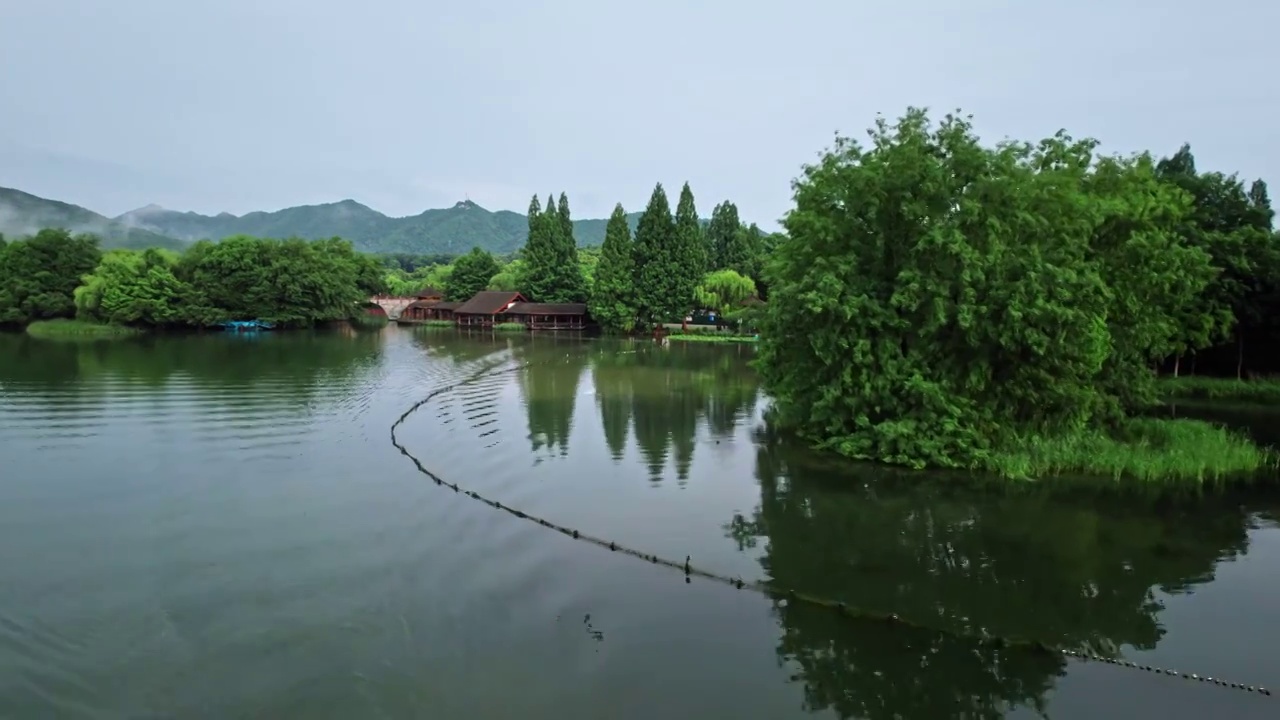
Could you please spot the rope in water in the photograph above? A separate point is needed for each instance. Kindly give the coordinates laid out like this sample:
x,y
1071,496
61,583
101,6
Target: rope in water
x,y
765,587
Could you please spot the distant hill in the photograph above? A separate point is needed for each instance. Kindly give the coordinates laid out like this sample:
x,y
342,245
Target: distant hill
x,y
452,230
24,214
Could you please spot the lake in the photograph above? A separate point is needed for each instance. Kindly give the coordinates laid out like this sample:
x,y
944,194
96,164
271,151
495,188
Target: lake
x,y
218,526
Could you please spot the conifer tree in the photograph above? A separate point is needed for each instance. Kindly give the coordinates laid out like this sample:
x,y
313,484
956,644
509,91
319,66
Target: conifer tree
x,y
613,293
725,239
566,222
690,248
553,274
534,211
656,292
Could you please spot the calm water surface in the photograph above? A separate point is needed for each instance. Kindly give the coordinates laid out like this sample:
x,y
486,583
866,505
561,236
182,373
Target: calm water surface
x,y
219,527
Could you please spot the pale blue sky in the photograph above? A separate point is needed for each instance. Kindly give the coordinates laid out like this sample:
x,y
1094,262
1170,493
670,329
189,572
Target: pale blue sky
x,y
243,105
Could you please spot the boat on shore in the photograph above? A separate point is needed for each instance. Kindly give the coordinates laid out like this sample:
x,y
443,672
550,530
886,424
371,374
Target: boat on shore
x,y
246,325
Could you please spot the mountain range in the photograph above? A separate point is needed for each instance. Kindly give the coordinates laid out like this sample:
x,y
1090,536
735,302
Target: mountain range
x,y
453,230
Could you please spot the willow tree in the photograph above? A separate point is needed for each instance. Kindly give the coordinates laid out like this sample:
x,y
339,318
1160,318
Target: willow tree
x,y
935,300
138,288
724,292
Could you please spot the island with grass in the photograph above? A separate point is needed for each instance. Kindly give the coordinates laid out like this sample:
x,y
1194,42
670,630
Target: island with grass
x,y
938,302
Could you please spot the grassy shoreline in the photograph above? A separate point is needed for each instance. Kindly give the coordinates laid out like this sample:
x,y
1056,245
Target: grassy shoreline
x,y
1146,450
1197,387
54,329
711,338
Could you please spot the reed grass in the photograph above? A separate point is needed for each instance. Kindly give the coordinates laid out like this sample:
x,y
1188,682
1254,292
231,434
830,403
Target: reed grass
x,y
54,329
509,327
1197,387
1147,450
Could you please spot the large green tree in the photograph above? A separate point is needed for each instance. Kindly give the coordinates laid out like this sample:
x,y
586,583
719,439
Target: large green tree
x,y
471,274
657,293
290,282
690,248
552,272
724,238
1233,225
613,289
140,288
510,277
566,220
39,275
723,291
935,300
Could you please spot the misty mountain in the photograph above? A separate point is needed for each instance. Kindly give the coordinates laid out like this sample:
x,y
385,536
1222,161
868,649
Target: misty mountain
x,y
24,214
452,230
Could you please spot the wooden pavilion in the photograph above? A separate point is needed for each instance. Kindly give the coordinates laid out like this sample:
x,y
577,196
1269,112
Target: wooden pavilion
x,y
487,308
549,316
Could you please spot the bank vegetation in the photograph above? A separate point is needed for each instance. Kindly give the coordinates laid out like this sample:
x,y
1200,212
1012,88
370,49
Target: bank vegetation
x,y
941,302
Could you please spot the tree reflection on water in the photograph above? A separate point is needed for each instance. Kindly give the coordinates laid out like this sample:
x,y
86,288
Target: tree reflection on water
x,y
1073,570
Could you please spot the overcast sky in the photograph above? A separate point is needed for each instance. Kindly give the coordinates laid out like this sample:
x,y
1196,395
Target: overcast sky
x,y
242,105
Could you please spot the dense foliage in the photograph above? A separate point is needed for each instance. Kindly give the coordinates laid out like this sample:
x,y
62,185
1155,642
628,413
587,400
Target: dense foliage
x,y
39,275
724,292
939,302
290,282
410,262
470,275
1233,226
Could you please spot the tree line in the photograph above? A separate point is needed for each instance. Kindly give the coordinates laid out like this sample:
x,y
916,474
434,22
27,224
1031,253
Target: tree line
x,y
55,274
673,264
936,301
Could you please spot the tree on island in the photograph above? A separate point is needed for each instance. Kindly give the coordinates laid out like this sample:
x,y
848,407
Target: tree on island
x,y
937,302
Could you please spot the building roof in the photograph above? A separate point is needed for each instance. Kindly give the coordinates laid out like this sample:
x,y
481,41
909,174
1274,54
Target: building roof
x,y
422,304
430,292
444,305
528,308
489,302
